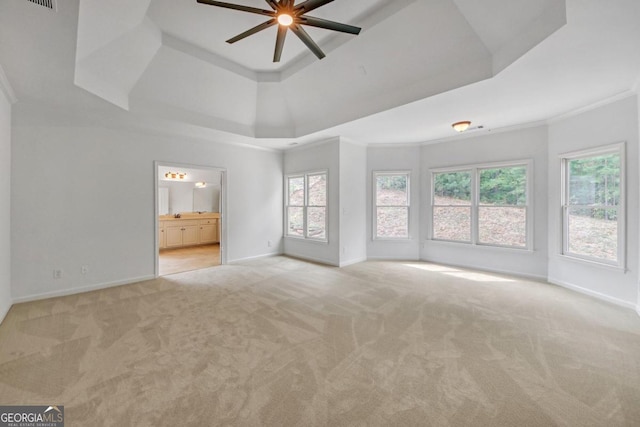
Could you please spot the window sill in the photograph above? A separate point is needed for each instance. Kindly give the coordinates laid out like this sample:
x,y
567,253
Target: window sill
x,y
302,239
588,262
483,246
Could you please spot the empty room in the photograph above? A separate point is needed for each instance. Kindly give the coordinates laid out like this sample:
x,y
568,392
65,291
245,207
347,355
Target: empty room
x,y
320,212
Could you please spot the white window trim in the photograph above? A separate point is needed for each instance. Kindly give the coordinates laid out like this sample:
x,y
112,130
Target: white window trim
x,y
305,206
617,148
374,215
474,170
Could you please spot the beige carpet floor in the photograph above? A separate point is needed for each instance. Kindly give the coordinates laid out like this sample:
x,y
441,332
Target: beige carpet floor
x,y
281,342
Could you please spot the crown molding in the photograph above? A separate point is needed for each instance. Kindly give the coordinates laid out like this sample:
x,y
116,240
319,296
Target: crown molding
x,y
606,101
301,146
216,60
6,88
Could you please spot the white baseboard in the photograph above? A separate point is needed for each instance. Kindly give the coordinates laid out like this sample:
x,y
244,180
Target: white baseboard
x,y
594,294
391,258
5,310
73,291
312,259
352,261
253,258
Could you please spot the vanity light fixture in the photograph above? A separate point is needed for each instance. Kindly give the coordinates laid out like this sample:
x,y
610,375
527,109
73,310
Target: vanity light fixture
x,y
175,175
461,126
201,184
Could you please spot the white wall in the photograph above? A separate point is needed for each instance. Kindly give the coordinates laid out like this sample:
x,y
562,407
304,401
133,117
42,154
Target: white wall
x,y
85,196
400,158
317,157
609,124
5,204
353,203
506,146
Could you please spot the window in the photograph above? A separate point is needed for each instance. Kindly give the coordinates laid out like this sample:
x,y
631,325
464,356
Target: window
x,y
391,205
502,208
593,205
307,206
484,205
452,206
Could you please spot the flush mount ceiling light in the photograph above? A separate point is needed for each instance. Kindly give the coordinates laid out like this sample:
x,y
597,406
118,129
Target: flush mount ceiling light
x,y
201,184
288,17
175,175
461,126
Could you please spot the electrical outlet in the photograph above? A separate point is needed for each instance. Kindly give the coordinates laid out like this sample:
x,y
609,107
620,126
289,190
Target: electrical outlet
x,y
268,243
57,273
84,269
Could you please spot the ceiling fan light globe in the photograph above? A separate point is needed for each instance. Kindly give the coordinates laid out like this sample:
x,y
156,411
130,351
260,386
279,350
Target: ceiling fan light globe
x,y
285,19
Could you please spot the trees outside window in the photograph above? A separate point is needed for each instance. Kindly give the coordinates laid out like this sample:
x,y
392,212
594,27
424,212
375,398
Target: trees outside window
x,y
391,200
483,204
306,210
452,206
502,208
592,205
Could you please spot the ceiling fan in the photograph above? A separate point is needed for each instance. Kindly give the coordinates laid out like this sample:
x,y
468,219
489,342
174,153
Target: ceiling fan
x,y
288,16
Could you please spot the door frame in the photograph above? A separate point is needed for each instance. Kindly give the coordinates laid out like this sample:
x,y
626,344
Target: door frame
x,y
223,208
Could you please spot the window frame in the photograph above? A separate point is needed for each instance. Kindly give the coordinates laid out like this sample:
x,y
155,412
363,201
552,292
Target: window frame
x,y
305,206
374,221
475,205
616,148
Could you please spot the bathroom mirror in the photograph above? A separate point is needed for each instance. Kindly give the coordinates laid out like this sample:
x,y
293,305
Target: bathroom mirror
x,y
205,199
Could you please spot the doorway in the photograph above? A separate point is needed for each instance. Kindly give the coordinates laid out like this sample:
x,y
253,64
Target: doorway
x,y
190,217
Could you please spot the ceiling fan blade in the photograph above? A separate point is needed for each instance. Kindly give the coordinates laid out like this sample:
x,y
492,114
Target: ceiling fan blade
x,y
272,3
310,5
282,34
257,28
302,35
329,25
237,7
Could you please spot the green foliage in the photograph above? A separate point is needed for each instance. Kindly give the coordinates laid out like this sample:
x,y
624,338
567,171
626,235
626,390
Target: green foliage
x,y
456,185
392,182
503,186
595,180
500,186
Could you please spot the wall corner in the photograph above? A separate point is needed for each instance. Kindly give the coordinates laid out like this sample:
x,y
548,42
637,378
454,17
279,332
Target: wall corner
x,y
6,88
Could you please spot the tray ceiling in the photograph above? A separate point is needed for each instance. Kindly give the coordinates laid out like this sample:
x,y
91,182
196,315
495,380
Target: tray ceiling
x,y
170,56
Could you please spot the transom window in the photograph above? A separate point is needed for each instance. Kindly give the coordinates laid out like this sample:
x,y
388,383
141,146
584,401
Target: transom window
x,y
307,206
484,205
593,205
391,198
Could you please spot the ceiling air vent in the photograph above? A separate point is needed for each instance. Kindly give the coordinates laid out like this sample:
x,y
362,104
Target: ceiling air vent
x,y
49,4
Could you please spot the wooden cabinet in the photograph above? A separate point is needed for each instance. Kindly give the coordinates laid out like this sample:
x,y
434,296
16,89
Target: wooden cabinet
x,y
190,234
209,231
162,241
181,233
173,236
176,233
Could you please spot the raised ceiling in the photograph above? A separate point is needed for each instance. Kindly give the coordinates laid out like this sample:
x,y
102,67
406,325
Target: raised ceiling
x,y
417,66
171,57
208,27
